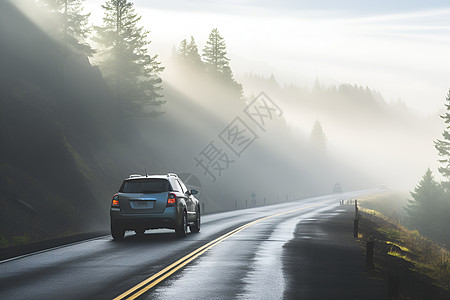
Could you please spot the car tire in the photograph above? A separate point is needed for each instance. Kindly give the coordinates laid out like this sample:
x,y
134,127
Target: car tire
x,y
196,226
117,232
181,230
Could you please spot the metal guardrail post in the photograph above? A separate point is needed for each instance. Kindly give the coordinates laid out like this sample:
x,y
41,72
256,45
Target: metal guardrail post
x,y
356,220
355,227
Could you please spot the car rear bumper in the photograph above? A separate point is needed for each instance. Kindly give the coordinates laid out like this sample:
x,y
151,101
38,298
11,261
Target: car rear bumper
x,y
167,219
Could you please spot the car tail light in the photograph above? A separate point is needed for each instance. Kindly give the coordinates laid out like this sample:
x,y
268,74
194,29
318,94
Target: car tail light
x,y
171,199
115,201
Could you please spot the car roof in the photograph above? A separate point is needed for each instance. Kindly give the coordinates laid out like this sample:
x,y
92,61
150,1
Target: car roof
x,y
138,176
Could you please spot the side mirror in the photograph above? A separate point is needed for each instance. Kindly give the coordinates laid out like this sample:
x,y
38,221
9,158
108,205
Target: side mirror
x,y
193,192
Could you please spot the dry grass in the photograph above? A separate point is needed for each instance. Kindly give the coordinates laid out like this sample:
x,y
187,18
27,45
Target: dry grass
x,y
427,257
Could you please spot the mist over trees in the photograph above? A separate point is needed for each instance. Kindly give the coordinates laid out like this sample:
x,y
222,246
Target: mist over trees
x,y
65,143
429,209
213,61
187,53
131,72
215,57
318,139
443,146
426,210
71,24
84,130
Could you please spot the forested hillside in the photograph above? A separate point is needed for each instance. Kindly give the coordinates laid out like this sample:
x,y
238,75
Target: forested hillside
x,y
64,146
83,107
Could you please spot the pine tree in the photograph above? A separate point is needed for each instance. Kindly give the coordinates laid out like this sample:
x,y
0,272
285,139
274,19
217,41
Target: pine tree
x,y
443,146
193,55
182,51
316,87
217,63
214,55
71,24
318,139
425,209
125,62
187,53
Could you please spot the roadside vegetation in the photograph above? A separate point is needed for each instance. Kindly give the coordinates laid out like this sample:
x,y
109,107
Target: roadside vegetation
x,y
420,264
410,233
389,203
90,125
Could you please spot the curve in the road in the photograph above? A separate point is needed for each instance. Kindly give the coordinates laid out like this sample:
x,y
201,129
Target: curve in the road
x,y
155,279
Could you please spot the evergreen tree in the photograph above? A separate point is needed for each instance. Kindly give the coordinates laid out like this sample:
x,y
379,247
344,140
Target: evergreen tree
x,y
443,146
318,139
217,63
316,86
214,55
182,51
193,55
187,53
71,24
125,62
426,208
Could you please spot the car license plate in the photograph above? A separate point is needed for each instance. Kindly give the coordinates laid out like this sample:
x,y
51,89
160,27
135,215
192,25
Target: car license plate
x,y
142,204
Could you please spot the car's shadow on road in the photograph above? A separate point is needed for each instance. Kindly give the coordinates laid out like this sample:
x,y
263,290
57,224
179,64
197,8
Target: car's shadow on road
x,y
148,237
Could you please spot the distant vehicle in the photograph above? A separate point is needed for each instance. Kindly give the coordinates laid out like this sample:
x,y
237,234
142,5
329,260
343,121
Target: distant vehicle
x,y
384,187
337,189
152,202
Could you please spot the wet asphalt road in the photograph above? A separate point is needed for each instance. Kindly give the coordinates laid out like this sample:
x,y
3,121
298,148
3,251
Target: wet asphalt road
x,y
247,265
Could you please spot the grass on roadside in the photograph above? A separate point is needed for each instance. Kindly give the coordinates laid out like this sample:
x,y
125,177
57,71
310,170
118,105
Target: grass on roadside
x,y
427,257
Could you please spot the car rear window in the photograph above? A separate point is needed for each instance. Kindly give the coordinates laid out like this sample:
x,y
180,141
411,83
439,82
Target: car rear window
x,y
145,185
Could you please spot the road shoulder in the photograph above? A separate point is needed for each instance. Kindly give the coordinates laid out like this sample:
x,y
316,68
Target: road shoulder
x,y
325,261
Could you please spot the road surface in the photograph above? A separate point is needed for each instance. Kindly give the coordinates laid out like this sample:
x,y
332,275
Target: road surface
x,y
237,255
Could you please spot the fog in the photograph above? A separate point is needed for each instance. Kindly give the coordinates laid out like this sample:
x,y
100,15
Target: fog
x,y
375,82
368,141
393,51
392,48
396,49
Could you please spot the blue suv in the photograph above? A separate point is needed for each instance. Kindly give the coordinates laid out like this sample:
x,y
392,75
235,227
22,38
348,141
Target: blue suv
x,y
152,202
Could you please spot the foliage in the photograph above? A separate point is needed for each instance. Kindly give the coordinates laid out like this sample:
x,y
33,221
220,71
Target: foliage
x,y
188,53
392,234
389,203
443,145
182,51
125,62
215,57
3,242
429,208
427,257
427,211
216,60
318,139
72,25
15,240
21,239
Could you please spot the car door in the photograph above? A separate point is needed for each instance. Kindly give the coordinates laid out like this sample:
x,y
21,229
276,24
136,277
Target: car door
x,y
190,202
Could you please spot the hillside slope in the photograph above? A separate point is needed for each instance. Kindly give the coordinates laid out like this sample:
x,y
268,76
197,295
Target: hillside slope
x,y
64,148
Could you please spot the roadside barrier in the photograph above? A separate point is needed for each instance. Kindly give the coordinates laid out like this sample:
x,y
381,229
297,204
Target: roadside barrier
x,y
356,220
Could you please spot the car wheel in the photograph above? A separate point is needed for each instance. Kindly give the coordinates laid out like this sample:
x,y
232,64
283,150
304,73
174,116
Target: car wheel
x,y
182,229
117,232
196,226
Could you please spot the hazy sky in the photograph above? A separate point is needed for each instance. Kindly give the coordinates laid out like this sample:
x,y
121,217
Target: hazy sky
x,y
400,48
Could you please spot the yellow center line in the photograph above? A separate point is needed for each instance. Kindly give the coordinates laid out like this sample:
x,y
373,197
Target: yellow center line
x,y
153,280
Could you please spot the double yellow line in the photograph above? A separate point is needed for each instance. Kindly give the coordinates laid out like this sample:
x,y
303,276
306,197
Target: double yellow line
x,y
153,280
